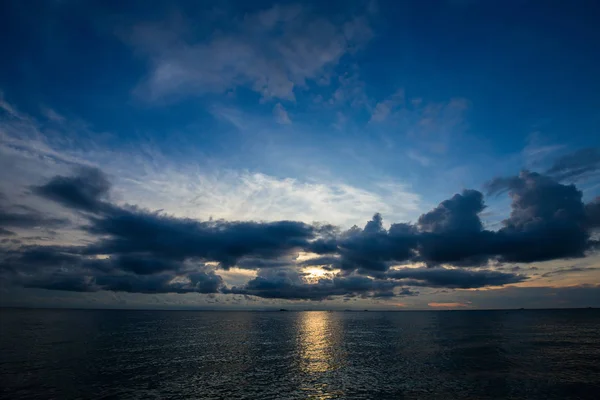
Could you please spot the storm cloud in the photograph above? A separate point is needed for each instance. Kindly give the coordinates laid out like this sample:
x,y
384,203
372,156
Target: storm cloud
x,y
138,250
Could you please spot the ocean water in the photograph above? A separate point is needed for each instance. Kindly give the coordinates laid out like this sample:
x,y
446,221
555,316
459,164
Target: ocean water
x,y
75,354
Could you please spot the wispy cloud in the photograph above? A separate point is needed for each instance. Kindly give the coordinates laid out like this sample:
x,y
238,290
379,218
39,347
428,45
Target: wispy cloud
x,y
418,157
538,150
383,108
281,115
273,52
193,189
569,270
8,109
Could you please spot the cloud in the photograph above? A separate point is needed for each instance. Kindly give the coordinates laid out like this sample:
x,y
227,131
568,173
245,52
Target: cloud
x,y
273,52
69,269
431,127
453,278
25,217
383,108
128,230
372,248
569,270
542,210
136,250
421,159
85,191
198,282
592,211
350,91
288,284
434,125
281,115
148,178
9,110
576,165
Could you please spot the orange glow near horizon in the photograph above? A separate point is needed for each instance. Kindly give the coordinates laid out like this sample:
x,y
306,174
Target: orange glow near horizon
x,y
447,305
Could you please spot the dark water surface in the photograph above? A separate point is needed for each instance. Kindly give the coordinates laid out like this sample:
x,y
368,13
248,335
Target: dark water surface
x,y
69,354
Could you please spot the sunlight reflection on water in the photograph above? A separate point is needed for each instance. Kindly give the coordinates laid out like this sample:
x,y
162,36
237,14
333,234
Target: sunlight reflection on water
x,y
320,352
299,355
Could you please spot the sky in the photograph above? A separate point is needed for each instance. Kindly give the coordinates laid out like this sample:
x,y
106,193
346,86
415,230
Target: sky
x,y
301,155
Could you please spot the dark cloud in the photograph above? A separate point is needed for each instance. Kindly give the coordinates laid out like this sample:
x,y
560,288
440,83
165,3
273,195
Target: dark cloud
x,y
139,231
576,165
454,278
456,215
6,232
257,263
84,191
27,219
30,259
547,221
133,230
288,284
144,265
592,211
199,282
59,281
453,232
141,251
372,248
62,268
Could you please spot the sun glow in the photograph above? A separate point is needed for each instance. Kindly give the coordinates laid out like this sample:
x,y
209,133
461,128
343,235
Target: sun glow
x,y
313,274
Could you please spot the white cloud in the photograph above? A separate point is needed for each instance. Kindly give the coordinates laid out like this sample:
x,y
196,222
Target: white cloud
x,y
340,121
232,115
243,195
538,151
9,109
350,91
281,115
52,115
273,52
147,178
421,159
383,109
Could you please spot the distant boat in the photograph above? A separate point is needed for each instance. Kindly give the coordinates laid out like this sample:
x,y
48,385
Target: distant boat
x,y
283,309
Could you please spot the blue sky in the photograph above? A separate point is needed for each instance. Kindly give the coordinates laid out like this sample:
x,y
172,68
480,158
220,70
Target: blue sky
x,y
311,111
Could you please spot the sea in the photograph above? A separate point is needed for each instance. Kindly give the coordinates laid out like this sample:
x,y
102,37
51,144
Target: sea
x,y
116,354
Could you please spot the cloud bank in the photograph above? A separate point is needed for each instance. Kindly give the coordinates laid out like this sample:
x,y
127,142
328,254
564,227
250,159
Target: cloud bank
x,y
132,249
